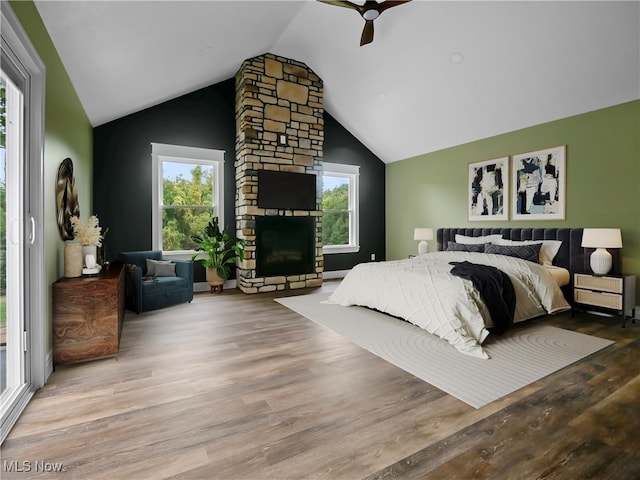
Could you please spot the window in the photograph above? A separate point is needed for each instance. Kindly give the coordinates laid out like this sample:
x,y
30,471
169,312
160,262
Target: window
x,y
340,198
188,191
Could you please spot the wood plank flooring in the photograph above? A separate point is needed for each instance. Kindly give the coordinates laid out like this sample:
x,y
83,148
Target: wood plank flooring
x,y
236,386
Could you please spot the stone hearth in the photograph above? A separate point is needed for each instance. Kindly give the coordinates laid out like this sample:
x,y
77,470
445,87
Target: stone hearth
x,y
279,127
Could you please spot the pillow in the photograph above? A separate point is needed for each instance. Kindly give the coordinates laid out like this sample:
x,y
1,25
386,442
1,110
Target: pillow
x,y
165,270
464,247
548,251
475,240
526,252
153,264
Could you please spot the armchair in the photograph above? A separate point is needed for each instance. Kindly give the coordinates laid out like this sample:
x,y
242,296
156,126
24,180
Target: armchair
x,y
146,291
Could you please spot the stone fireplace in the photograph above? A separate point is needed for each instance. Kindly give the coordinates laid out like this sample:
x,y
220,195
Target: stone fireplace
x,y
279,128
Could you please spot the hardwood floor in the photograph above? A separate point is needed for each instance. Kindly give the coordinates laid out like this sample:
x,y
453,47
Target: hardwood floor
x,y
236,386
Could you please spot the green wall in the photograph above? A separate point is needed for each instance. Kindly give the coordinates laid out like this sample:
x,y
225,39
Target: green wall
x,y
68,133
603,180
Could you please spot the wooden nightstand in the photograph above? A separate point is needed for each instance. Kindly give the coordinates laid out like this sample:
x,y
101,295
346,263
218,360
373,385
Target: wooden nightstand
x,y
610,292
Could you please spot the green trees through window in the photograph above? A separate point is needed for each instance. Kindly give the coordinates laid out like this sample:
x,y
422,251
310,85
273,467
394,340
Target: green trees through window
x,y
335,205
188,203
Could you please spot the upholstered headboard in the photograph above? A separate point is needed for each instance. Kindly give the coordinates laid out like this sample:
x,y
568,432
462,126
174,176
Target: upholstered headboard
x,y
571,255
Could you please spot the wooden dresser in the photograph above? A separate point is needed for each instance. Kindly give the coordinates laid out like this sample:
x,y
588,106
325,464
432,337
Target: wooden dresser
x,y
87,315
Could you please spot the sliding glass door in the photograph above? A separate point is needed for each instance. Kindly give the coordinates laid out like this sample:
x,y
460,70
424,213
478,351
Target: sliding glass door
x,y
22,332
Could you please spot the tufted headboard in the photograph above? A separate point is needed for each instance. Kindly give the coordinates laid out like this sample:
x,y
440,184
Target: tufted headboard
x,y
571,255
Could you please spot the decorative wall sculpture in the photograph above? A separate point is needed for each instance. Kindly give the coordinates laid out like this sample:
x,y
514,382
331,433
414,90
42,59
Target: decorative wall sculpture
x,y
66,199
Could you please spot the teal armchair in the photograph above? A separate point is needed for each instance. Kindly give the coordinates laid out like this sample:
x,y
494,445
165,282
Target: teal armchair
x,y
171,284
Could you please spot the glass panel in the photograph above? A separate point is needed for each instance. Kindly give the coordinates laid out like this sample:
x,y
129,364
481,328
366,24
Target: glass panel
x,y
3,240
187,196
335,228
11,238
179,223
335,204
335,193
187,184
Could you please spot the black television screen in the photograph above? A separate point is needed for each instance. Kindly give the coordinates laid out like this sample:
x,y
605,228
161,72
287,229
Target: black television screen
x,y
286,190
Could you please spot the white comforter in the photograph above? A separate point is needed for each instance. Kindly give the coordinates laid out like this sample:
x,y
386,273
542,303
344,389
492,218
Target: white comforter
x,y
422,291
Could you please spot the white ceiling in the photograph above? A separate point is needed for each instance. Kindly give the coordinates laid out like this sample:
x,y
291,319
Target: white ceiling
x,y
524,63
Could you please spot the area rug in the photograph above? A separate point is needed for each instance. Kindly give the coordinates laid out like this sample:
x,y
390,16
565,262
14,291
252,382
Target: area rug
x,y
518,358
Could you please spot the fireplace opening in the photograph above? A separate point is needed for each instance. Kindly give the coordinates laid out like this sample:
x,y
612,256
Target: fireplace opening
x,y
285,245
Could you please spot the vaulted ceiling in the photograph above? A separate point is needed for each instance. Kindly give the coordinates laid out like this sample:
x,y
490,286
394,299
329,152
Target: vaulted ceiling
x,y
437,74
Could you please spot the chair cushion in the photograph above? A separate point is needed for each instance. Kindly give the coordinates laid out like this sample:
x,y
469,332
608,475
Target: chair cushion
x,y
161,284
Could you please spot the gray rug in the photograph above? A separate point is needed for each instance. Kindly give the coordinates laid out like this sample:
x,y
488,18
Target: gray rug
x,y
518,358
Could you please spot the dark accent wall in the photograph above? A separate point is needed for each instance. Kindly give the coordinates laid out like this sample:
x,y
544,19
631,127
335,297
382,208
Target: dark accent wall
x,y
122,160
206,118
340,146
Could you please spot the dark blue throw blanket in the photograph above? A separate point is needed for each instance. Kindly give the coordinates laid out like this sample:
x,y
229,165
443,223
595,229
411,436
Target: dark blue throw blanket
x,y
496,290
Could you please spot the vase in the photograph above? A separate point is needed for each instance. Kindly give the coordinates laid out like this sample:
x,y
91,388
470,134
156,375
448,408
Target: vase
x,y
89,250
215,281
72,260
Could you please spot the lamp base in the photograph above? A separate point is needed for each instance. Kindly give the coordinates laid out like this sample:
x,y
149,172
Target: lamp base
x,y
423,247
600,261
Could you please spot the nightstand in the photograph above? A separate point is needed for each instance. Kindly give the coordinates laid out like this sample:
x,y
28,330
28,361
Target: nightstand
x,y
609,292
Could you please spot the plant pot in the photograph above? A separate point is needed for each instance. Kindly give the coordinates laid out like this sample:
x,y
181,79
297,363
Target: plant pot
x,y
215,281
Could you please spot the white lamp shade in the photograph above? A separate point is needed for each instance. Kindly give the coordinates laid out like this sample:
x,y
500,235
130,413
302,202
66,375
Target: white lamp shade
x,y
601,238
423,234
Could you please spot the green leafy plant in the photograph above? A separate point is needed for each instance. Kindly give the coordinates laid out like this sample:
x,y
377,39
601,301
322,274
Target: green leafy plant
x,y
216,249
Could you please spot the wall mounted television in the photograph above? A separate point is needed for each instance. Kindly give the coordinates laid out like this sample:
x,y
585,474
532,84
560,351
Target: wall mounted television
x,y
286,190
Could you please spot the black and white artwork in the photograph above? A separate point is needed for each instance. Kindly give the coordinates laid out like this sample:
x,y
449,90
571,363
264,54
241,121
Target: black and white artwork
x,y
539,184
489,189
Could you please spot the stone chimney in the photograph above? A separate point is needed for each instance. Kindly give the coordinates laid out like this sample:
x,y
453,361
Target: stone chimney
x,y
279,127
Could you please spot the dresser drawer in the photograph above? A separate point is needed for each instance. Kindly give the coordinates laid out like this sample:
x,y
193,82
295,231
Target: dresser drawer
x,y
602,284
598,299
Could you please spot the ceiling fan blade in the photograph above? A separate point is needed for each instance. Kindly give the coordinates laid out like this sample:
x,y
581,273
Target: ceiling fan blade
x,y
341,3
367,33
390,3
370,10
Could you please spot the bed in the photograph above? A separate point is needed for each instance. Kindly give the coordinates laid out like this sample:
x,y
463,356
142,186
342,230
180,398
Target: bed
x,y
423,291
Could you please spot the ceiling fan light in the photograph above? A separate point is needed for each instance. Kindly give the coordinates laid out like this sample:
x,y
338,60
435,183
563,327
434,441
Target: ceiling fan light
x,y
371,14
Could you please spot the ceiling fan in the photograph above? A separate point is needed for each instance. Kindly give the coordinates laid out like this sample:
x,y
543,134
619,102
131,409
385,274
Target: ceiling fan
x,y
369,11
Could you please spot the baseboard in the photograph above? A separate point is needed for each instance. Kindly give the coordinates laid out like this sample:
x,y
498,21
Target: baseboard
x,y
334,274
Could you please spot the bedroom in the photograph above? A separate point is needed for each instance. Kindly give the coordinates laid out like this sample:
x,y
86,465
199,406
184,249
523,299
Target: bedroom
x,y
427,183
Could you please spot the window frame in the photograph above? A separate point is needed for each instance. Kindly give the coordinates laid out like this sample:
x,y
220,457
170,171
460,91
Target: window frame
x,y
352,174
161,153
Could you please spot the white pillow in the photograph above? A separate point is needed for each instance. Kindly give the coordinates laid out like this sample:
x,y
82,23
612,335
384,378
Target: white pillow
x,y
476,240
548,250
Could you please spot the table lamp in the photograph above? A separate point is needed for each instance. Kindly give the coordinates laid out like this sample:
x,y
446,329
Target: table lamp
x,y
601,239
423,234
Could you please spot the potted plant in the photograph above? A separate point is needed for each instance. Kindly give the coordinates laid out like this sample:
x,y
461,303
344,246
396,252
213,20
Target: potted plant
x,y
217,251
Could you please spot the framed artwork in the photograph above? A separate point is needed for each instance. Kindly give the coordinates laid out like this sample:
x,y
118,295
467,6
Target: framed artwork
x,y
539,184
489,189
